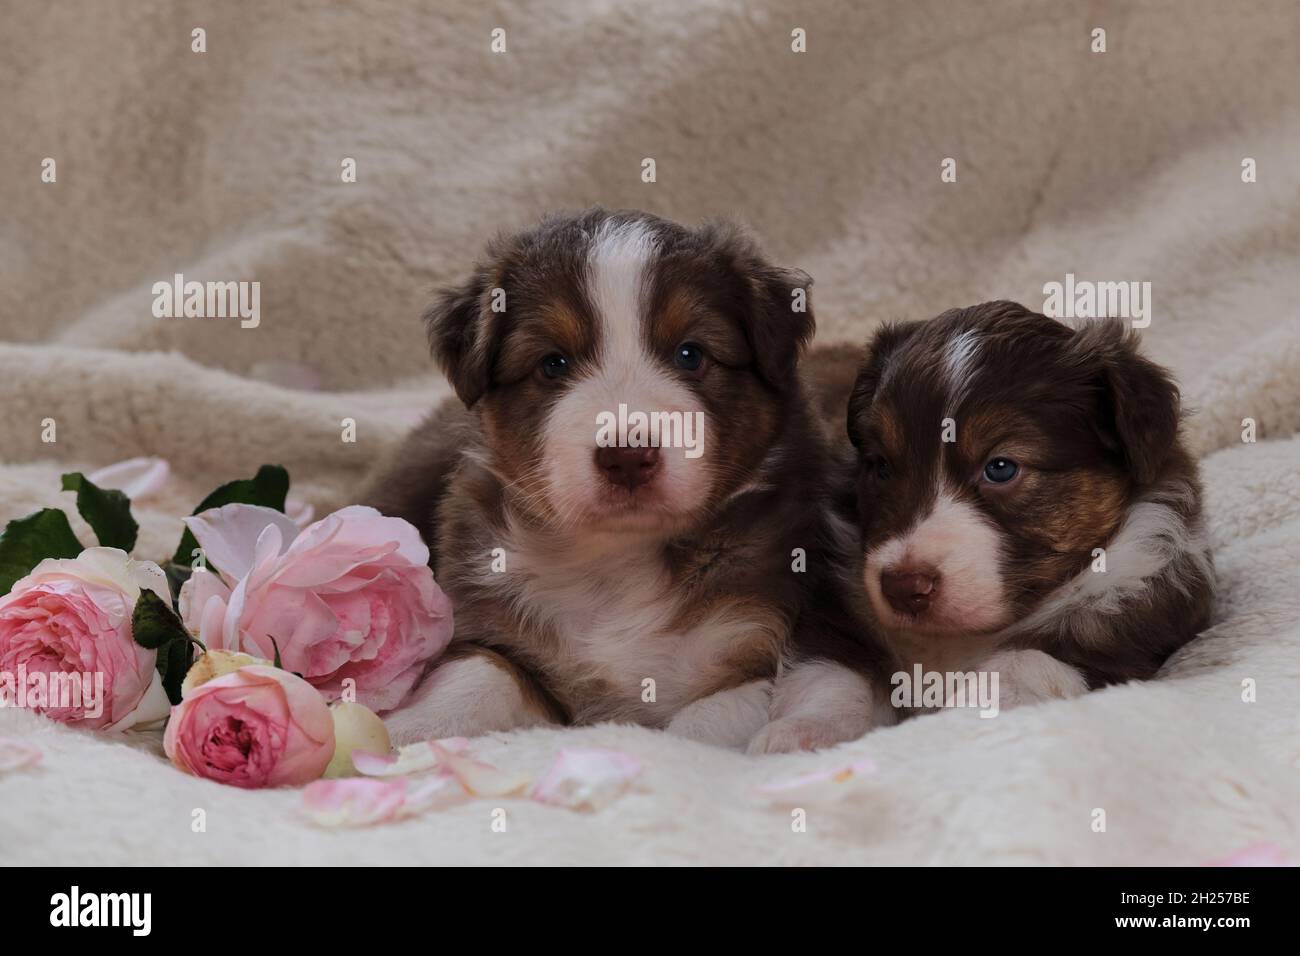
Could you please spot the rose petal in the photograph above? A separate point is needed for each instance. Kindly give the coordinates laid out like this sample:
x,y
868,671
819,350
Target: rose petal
x,y
433,793
353,801
17,755
480,779
229,535
413,758
1257,854
586,779
360,801
299,512
820,783
137,478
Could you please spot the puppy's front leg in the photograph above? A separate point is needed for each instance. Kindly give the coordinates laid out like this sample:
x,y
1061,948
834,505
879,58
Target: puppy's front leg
x,y
472,692
819,703
727,718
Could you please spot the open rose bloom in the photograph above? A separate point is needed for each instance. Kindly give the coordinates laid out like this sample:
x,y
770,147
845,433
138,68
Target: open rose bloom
x,y
350,596
70,618
258,726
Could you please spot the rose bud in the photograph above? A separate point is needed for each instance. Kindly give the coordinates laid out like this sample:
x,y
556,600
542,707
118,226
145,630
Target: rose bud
x,y
257,726
356,727
215,664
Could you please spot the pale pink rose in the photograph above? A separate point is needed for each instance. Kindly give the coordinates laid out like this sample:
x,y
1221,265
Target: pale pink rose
x,y
350,596
258,726
70,618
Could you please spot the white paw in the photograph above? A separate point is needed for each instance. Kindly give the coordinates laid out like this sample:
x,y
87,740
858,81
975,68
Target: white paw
x,y
727,718
1028,677
467,697
790,734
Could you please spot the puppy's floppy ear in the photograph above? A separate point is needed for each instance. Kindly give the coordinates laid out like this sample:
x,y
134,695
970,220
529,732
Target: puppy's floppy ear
x,y
1140,403
777,314
781,320
460,339
880,350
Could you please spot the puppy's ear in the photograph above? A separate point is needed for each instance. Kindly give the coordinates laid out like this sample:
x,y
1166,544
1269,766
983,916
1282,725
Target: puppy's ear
x,y
781,320
459,337
777,316
880,351
1140,403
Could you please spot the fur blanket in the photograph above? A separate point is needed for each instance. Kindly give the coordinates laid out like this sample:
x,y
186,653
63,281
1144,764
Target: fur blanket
x,y
227,165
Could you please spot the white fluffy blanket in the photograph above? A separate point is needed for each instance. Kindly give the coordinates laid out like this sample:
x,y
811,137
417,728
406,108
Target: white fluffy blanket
x,y
1123,165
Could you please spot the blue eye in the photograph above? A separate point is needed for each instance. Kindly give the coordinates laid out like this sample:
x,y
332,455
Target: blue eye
x,y
1001,470
555,365
689,357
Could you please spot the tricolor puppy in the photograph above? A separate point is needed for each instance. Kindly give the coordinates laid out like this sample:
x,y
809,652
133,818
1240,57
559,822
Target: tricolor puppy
x,y
1025,504
603,567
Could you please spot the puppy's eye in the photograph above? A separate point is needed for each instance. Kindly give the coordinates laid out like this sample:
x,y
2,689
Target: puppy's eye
x,y
555,365
1001,470
688,357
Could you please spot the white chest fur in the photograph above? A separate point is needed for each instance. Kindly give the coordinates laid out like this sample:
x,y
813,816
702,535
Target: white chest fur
x,y
616,615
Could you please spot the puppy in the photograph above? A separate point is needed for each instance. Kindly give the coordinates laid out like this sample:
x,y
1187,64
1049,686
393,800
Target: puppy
x,y
630,580
1025,506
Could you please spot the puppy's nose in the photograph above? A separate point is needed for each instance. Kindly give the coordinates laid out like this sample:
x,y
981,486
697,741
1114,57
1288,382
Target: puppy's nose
x,y
909,590
628,467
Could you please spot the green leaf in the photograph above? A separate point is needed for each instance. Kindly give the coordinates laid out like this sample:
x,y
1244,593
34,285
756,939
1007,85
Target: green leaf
x,y
26,542
269,487
157,627
107,511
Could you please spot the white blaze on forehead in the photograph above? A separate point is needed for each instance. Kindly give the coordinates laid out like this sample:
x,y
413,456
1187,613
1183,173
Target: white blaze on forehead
x,y
619,272
960,365
618,281
963,549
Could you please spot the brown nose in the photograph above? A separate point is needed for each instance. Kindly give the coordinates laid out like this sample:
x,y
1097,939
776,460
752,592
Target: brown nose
x,y
628,467
909,590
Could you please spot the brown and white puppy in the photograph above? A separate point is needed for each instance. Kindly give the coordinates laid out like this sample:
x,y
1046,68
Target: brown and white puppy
x,y
644,583
1025,504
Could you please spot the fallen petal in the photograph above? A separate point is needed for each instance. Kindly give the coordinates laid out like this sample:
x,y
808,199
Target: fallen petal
x,y
137,478
413,758
819,782
1257,854
480,779
586,779
17,755
433,792
353,801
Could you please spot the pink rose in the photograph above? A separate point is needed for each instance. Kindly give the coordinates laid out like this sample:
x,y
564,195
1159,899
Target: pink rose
x,y
258,726
351,596
66,629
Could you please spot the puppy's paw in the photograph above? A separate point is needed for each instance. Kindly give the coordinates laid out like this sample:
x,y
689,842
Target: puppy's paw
x,y
727,718
467,697
1028,677
790,734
